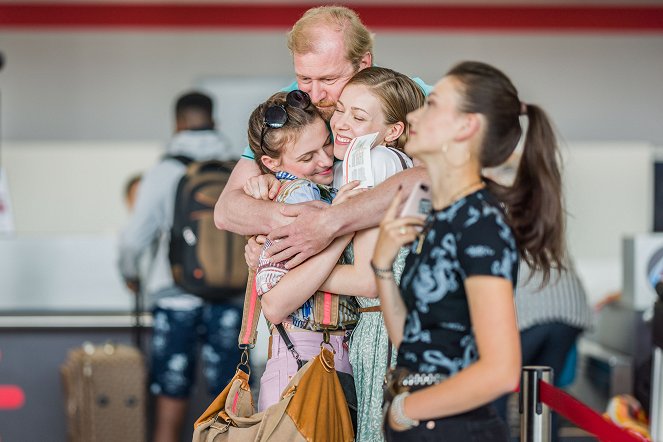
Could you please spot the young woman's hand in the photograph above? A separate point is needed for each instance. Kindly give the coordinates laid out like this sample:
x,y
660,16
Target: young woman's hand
x,y
252,251
262,187
348,191
394,234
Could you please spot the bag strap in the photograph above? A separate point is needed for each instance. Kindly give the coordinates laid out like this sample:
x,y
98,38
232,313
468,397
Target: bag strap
x,y
326,310
249,331
400,156
290,345
181,158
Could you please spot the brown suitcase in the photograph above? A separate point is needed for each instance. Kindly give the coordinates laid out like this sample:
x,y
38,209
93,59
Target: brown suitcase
x,y
105,397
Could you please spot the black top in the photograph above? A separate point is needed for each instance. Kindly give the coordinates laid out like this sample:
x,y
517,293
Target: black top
x,y
468,238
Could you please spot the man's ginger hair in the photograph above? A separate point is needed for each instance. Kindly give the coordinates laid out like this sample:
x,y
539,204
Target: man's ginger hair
x,y
302,39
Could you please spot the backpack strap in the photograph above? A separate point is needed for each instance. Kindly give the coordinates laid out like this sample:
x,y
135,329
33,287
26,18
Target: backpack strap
x,y
181,158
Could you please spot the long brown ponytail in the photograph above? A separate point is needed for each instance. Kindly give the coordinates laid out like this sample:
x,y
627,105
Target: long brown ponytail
x,y
533,204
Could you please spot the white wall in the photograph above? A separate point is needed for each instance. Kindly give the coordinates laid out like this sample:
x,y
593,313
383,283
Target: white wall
x,y
81,111
608,194
116,85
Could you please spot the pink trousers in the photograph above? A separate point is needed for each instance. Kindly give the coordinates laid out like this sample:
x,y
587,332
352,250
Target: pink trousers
x,y
282,366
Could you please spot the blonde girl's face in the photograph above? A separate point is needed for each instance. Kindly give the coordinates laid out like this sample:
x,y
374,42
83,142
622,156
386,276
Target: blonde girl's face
x,y
310,156
358,112
438,122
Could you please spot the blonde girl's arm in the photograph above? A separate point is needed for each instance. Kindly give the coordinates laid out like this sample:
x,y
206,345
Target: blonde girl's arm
x,y
497,371
356,279
300,283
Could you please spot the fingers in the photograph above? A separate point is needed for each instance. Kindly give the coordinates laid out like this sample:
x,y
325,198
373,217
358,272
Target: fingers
x,y
393,207
351,185
355,192
252,252
264,188
248,189
290,210
274,187
298,209
403,234
280,251
295,261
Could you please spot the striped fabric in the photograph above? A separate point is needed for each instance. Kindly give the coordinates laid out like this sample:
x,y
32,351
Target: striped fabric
x,y
563,299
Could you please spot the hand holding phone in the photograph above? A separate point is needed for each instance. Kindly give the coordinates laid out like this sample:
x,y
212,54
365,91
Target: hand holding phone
x,y
418,203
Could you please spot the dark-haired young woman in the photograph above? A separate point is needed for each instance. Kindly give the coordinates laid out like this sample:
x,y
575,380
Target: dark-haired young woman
x,y
453,317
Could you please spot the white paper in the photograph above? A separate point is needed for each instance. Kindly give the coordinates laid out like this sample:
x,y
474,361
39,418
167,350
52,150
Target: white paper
x,y
357,161
6,213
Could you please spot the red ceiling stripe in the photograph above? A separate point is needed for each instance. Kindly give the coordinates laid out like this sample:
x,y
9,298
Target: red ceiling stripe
x,y
272,16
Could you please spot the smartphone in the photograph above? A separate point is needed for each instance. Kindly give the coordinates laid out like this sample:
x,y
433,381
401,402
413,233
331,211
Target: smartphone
x,y
419,202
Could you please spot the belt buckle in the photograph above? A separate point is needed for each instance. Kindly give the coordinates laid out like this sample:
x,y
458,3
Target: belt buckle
x,y
394,381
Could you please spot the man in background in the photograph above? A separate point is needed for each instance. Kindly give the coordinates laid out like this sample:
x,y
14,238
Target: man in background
x,y
181,321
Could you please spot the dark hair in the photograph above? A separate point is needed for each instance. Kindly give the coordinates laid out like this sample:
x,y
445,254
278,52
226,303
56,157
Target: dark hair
x,y
533,204
276,139
397,93
196,103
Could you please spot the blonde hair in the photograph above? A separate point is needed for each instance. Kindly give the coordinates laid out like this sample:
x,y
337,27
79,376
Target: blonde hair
x,y
398,95
357,39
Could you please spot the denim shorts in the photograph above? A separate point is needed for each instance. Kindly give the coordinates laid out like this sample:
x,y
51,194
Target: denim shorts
x,y
177,337
479,425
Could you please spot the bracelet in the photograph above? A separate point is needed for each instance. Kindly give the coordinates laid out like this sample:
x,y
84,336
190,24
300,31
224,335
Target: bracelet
x,y
398,413
382,273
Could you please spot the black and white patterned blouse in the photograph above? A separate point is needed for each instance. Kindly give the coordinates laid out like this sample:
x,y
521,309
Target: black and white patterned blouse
x,y
468,238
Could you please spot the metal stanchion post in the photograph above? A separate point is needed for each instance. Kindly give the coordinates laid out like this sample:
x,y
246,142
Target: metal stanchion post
x,y
656,415
534,415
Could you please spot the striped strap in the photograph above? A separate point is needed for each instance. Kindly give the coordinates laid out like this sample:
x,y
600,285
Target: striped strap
x,y
325,310
251,314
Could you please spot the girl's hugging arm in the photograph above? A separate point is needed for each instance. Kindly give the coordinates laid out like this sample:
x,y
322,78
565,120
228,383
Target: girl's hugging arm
x,y
282,291
357,279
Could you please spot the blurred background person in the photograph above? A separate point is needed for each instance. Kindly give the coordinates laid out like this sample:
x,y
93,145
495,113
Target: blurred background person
x,y
181,321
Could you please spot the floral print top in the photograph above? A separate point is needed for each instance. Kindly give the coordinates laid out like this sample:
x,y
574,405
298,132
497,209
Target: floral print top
x,y
468,238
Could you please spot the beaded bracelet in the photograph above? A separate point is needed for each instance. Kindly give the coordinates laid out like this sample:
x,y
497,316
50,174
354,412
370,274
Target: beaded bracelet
x,y
382,273
398,413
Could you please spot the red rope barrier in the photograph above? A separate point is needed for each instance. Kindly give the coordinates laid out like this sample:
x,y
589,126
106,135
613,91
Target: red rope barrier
x,y
583,416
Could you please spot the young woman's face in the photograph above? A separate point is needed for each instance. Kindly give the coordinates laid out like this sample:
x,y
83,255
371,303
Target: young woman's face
x,y
358,112
437,122
310,157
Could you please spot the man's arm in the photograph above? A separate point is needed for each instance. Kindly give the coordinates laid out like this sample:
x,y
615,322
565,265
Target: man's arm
x,y
238,212
314,229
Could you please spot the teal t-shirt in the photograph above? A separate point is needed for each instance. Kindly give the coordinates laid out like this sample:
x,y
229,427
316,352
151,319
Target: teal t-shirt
x,y
248,154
